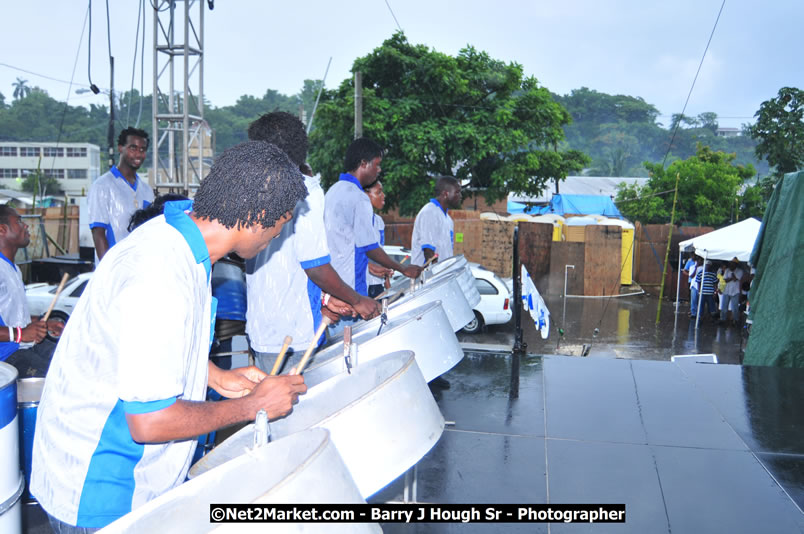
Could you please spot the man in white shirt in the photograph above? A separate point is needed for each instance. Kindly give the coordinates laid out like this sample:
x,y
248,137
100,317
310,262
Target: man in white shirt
x,y
124,399
433,229
116,195
731,295
285,281
22,337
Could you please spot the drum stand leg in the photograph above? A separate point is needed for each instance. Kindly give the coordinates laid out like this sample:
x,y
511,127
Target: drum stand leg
x,y
411,478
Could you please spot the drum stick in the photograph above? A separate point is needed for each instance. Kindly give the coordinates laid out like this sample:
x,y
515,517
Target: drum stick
x,y
56,296
382,295
324,323
394,298
281,356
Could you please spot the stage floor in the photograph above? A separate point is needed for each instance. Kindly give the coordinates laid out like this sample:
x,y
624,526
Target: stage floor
x,y
688,447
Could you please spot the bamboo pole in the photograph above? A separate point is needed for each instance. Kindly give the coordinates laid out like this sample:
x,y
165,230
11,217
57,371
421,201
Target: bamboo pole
x,y
667,251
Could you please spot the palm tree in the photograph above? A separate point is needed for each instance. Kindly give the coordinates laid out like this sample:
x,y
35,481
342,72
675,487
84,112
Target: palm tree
x,y
20,89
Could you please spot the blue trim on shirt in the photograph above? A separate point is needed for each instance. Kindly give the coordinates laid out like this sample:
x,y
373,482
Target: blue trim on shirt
x,y
363,250
361,265
309,264
175,217
135,408
108,487
346,177
213,310
109,232
428,246
314,297
114,170
437,203
7,348
382,237
8,260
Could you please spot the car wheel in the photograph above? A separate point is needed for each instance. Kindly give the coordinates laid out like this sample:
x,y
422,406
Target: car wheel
x,y
60,316
475,325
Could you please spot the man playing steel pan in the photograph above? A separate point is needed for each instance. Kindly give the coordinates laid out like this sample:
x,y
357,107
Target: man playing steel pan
x,y
123,401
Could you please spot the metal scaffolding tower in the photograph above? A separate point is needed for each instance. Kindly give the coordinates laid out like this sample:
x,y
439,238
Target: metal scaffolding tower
x,y
182,143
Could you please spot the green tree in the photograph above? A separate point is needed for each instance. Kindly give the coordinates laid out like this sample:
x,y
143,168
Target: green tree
x,y
42,184
779,130
469,116
21,89
708,187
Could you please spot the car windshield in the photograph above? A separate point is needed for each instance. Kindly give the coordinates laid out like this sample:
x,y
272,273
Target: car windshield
x,y
67,283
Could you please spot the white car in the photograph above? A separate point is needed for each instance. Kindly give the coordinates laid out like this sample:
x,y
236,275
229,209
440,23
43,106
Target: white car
x,y
41,295
495,293
495,299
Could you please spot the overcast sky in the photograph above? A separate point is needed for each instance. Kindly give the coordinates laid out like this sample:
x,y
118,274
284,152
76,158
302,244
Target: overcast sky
x,y
641,48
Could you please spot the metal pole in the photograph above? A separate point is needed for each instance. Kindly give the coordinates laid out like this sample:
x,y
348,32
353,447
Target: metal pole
x,y
667,250
700,290
678,282
519,344
358,105
152,179
318,97
110,131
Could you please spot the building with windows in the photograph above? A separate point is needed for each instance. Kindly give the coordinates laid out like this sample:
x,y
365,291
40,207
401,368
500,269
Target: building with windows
x,y
74,165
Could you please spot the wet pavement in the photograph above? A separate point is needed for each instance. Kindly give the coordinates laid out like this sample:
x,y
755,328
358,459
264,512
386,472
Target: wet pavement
x,y
626,329
688,447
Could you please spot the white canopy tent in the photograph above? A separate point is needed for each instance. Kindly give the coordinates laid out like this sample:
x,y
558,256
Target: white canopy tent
x,y
734,241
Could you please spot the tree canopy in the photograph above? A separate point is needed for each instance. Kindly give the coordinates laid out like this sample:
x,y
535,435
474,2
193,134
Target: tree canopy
x,y
779,130
469,116
708,188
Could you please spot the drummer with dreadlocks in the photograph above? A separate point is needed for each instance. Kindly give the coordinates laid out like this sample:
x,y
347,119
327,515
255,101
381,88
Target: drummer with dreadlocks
x,y
124,398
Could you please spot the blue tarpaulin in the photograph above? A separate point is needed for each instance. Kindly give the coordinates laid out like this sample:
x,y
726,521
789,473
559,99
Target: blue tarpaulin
x,y
572,205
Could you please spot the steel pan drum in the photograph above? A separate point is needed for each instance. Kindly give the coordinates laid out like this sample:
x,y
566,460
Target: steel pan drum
x,y
440,269
424,330
12,482
302,468
382,417
448,291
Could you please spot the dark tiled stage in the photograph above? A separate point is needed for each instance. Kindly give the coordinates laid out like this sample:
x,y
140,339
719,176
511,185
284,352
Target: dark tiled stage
x,y
687,447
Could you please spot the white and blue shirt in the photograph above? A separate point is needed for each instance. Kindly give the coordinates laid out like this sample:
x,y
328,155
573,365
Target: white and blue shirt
x,y
379,232
433,229
350,233
113,200
13,303
282,300
137,341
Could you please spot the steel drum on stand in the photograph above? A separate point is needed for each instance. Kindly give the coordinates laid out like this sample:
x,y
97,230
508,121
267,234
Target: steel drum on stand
x,y
29,393
425,330
302,468
439,270
382,417
447,290
12,483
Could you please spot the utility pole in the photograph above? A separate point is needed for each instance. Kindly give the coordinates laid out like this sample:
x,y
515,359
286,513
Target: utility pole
x,y
358,105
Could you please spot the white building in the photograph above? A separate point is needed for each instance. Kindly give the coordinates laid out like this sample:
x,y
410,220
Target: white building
x,y
74,165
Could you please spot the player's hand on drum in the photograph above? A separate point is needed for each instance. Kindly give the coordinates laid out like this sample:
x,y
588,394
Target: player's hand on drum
x,y
411,271
36,331
277,394
342,308
368,308
234,383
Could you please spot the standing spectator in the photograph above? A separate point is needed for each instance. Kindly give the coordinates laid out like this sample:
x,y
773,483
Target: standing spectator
x,y
116,195
721,284
707,282
691,268
732,275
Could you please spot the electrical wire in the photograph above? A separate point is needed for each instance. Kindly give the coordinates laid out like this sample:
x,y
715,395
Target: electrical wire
x,y
673,137
69,90
140,17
